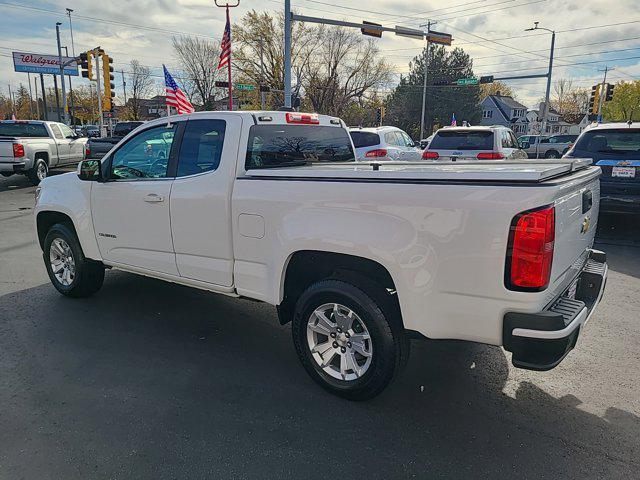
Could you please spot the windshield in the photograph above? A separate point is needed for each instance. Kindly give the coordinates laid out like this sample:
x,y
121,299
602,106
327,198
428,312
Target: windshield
x,y
623,141
364,139
462,140
23,130
288,145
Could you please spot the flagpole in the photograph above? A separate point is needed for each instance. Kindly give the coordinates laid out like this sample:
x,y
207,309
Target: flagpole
x,y
229,63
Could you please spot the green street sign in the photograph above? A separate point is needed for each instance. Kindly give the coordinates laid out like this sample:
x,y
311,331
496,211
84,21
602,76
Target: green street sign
x,y
243,86
467,81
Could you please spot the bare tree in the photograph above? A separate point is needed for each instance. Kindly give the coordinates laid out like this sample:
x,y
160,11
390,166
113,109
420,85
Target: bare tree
x,y
258,35
141,86
345,68
198,59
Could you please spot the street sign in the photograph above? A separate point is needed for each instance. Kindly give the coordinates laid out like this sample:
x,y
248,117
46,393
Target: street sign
x,y
467,81
369,31
265,88
439,38
409,32
221,84
243,86
486,79
36,63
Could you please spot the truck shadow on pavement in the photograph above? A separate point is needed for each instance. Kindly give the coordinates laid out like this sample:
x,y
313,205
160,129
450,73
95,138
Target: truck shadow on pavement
x,y
152,380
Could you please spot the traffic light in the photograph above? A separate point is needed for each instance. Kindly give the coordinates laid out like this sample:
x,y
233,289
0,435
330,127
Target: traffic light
x,y
107,75
594,99
86,65
609,92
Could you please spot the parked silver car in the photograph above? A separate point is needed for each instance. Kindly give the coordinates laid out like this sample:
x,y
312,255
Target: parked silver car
x,y
474,143
538,146
384,143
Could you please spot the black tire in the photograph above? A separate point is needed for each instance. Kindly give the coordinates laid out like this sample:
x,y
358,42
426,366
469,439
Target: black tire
x,y
89,274
39,171
552,154
389,343
6,174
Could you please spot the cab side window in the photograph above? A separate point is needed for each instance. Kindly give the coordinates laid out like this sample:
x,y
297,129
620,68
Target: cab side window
x,y
67,132
56,132
201,147
144,156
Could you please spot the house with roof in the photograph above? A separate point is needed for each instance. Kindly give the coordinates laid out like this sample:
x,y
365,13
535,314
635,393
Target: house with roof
x,y
555,123
504,110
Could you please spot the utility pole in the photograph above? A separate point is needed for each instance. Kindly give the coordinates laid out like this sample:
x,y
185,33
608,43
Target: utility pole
x,y
44,97
64,92
55,87
11,100
35,85
287,53
71,104
124,87
603,87
424,83
262,94
99,95
30,95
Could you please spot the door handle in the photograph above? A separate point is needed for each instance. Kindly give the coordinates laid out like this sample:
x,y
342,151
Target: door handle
x,y
153,198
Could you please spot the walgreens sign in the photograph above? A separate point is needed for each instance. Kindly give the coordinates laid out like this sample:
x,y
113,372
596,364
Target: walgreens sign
x,y
36,63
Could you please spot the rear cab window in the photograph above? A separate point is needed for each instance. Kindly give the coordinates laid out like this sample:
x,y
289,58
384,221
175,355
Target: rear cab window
x,y
26,130
462,140
364,139
272,146
622,141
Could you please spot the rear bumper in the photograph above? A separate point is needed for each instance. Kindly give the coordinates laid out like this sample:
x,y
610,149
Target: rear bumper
x,y
619,203
540,341
14,167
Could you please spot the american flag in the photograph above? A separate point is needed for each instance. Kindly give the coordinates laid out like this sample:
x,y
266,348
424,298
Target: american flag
x,y
454,123
225,46
175,96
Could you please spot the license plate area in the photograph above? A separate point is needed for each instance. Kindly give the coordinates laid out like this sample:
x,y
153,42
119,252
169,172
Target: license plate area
x,y
623,172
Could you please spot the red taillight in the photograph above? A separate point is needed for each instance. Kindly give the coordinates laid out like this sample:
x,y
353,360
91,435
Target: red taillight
x,y
489,156
380,152
427,155
306,118
530,250
18,150
87,150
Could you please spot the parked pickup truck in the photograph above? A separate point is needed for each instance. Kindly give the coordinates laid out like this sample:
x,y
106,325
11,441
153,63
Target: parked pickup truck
x,y
359,257
99,147
537,146
32,147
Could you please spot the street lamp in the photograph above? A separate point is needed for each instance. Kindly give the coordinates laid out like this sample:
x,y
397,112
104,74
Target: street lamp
x,y
548,92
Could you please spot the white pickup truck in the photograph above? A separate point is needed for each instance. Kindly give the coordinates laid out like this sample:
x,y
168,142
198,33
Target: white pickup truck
x,y
32,147
359,257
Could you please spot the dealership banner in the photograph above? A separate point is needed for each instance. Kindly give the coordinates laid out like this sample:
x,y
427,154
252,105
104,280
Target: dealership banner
x,y
36,63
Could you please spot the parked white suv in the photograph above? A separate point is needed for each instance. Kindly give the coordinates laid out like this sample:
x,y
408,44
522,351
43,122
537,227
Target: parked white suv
x,y
474,143
358,257
384,143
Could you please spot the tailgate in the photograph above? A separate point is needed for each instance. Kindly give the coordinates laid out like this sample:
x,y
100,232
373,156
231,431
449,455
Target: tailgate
x,y
620,176
576,212
6,150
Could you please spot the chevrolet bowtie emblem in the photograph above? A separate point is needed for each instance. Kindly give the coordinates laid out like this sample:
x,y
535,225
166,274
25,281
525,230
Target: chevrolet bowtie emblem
x,y
585,225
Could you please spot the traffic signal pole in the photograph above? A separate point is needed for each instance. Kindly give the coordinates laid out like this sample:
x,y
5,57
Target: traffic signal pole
x,y
424,85
64,93
603,87
548,91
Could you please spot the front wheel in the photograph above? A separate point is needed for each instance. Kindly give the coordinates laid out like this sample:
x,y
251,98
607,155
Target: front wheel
x,y
345,340
70,272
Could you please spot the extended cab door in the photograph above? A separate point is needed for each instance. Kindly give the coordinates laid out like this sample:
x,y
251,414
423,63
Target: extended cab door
x,y
201,198
131,208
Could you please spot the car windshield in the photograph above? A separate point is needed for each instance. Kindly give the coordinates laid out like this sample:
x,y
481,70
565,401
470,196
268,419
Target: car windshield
x,y
289,145
33,130
364,139
623,141
462,140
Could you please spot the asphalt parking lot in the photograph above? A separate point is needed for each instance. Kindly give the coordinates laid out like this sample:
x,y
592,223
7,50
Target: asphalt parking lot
x,y
153,380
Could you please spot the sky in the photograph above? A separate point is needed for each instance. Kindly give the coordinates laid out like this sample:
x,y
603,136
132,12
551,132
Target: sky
x,y
591,34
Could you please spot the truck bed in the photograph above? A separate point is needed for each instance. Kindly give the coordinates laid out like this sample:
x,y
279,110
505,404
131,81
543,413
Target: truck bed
x,y
525,171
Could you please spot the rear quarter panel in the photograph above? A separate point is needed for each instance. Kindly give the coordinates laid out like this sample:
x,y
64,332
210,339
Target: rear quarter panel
x,y
443,244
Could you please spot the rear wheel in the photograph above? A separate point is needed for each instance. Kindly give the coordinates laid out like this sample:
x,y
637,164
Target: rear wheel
x,y
39,171
70,272
552,154
346,341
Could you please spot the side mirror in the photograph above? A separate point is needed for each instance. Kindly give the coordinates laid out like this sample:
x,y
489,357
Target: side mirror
x,y
525,145
90,170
